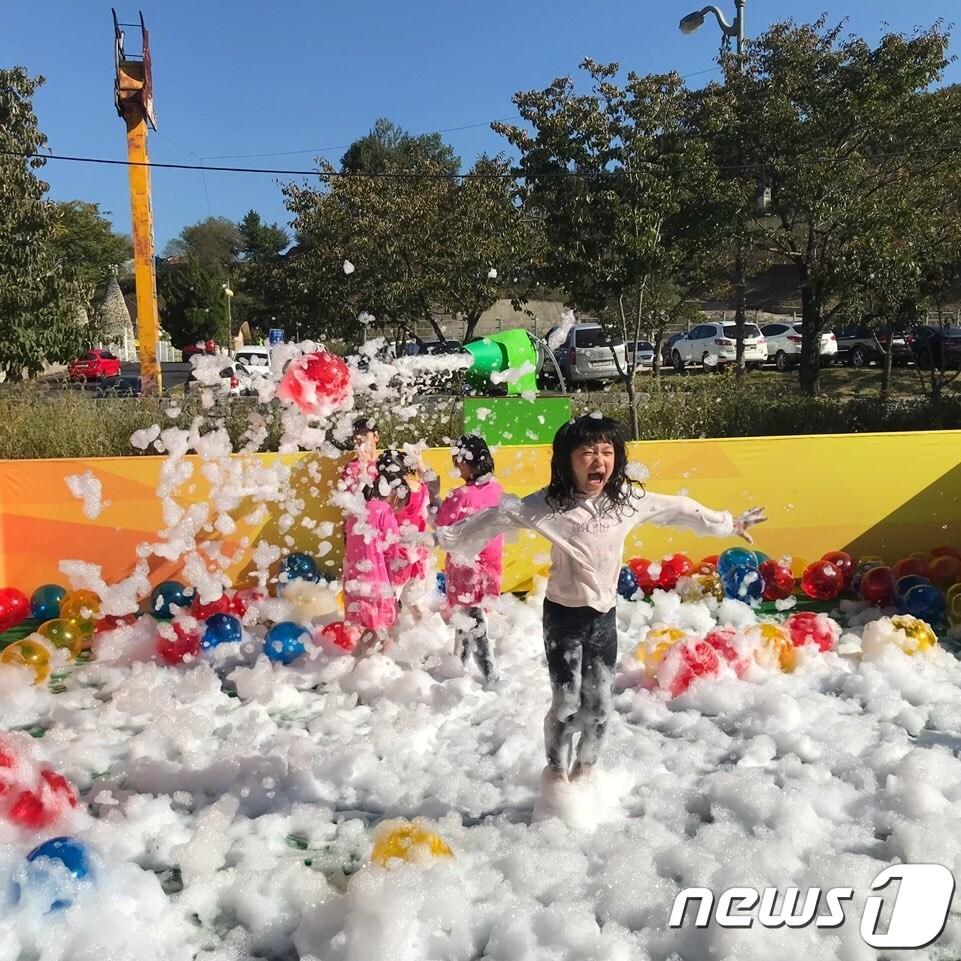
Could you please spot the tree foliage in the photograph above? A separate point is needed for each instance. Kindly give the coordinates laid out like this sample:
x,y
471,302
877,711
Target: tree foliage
x,y
40,300
389,147
214,243
194,306
86,243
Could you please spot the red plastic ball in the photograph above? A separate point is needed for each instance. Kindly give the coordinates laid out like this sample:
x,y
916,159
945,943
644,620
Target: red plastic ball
x,y
807,627
641,569
722,640
28,811
222,605
243,598
778,580
877,586
911,565
110,622
318,383
185,644
673,568
708,565
822,581
339,635
14,607
58,787
844,562
946,552
944,570
685,662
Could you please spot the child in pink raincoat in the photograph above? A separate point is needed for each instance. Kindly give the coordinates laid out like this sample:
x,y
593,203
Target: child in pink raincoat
x,y
371,552
471,587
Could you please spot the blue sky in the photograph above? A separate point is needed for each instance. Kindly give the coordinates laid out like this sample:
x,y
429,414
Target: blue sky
x,y
306,78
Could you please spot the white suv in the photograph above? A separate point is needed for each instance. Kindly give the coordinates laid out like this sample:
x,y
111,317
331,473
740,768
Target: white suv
x,y
784,345
713,345
587,354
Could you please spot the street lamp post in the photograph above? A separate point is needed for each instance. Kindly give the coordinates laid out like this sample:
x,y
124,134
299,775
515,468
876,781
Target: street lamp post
x,y
689,24
229,294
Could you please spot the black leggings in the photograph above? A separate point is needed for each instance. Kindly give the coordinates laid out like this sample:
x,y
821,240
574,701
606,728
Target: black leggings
x,y
581,647
473,639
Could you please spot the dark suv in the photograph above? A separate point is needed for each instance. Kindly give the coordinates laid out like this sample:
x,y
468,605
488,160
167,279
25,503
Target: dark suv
x,y
934,346
858,346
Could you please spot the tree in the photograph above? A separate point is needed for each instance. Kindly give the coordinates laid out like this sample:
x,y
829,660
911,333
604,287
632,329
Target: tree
x,y
39,302
214,243
86,244
194,305
388,146
628,198
260,242
828,126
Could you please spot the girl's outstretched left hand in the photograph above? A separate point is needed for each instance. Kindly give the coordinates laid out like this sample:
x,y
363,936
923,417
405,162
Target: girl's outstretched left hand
x,y
748,519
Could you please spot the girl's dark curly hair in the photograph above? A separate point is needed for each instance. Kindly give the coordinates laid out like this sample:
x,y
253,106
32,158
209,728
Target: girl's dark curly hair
x,y
473,450
562,490
391,471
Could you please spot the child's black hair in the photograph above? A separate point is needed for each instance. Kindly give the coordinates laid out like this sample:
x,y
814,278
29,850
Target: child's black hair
x,y
363,425
562,490
473,450
390,476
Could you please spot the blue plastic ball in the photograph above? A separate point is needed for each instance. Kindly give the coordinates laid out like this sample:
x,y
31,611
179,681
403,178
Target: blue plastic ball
x,y
169,594
221,629
735,557
47,859
441,582
45,602
904,584
761,557
285,642
300,567
925,602
626,583
743,584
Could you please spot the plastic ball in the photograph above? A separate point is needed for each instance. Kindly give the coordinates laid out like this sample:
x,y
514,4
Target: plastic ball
x,y
946,552
807,627
925,602
243,599
441,582
45,602
743,583
953,602
31,654
844,562
903,584
775,649
911,565
14,607
168,595
921,636
863,567
318,383
760,557
110,622
83,608
285,642
684,663
407,842
697,587
673,568
707,565
822,581
658,641
646,578
778,580
300,567
222,605
63,634
221,629
626,583
723,640
877,586
51,858
183,646
339,635
736,557
944,570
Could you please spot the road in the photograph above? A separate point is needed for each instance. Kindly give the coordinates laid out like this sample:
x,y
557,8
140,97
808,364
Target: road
x,y
174,374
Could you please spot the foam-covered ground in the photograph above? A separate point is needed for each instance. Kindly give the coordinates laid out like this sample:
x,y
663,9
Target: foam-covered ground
x,y
206,788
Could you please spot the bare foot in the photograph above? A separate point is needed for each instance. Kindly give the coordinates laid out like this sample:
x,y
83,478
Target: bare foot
x,y
554,775
582,772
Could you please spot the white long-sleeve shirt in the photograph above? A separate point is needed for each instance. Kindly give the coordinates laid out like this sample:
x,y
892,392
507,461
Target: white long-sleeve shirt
x,y
587,541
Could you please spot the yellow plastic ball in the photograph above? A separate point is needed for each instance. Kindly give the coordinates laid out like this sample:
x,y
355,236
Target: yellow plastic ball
x,y
775,648
650,652
952,592
64,634
921,636
31,654
83,608
407,842
954,608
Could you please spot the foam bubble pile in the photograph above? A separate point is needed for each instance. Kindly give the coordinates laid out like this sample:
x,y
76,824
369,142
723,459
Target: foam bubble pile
x,y
209,763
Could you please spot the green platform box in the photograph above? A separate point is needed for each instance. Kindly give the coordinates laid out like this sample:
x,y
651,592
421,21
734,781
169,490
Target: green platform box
x,y
513,421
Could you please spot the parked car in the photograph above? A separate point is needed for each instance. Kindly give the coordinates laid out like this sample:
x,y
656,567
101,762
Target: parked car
x,y
119,387
236,379
94,365
667,348
201,347
433,348
643,350
253,356
784,345
860,346
587,354
935,346
713,345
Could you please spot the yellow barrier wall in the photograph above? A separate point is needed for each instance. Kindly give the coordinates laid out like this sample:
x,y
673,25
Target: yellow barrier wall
x,y
886,494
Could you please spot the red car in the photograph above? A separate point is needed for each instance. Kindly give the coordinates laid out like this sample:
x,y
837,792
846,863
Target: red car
x,y
94,365
201,347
